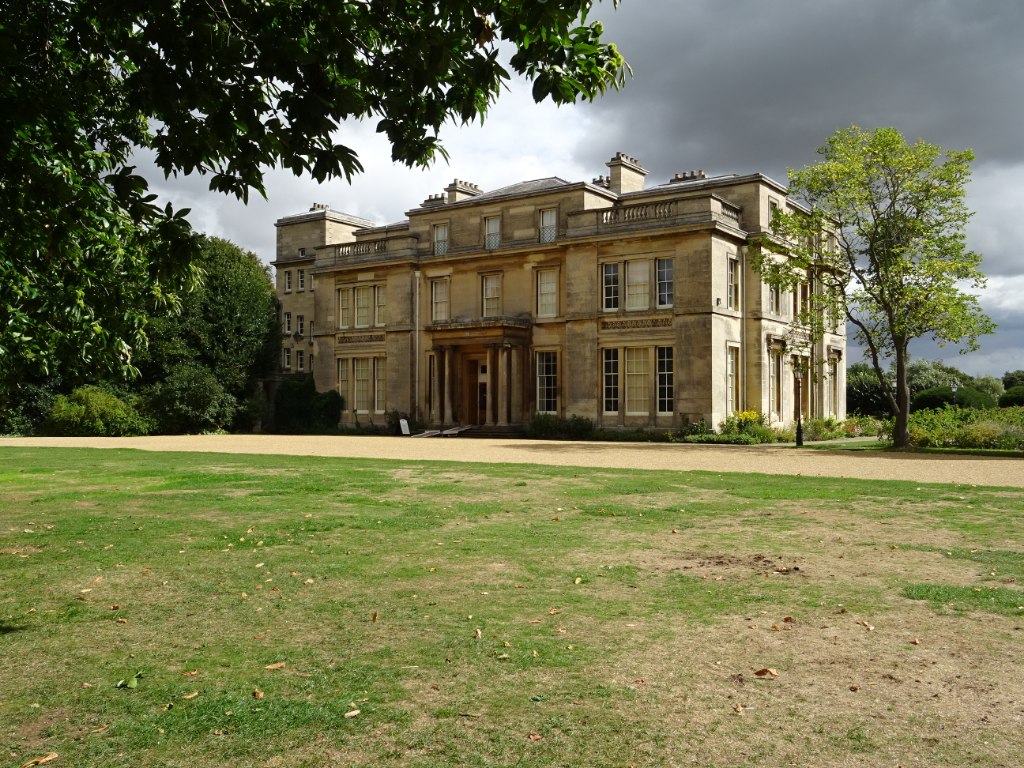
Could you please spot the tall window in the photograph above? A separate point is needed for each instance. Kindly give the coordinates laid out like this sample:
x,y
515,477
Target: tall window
x,y
287,322
773,210
287,279
440,239
610,280
833,387
302,279
492,232
300,360
344,307
361,378
379,305
775,299
286,358
610,381
343,382
801,299
439,300
665,282
547,382
775,384
364,299
733,380
490,289
310,334
547,292
300,325
548,225
733,287
638,284
379,384
638,388
666,381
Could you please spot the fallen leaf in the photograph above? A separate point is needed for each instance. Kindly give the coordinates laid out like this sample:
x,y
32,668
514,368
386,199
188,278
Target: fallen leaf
x,y
373,619
48,758
554,611
854,688
121,620
503,656
257,693
87,685
766,672
101,729
352,713
577,580
534,737
308,581
534,621
535,654
219,732
190,696
192,673
869,627
115,607
737,708
477,633
776,628
260,565
915,641
276,665
788,619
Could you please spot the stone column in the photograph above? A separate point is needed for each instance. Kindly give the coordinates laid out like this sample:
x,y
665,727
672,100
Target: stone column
x,y
449,376
435,386
492,384
517,384
501,391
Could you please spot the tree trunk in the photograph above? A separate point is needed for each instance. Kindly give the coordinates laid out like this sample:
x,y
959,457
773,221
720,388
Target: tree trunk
x,y
901,430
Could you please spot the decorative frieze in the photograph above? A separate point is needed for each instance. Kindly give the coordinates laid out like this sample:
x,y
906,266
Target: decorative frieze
x,y
640,322
364,338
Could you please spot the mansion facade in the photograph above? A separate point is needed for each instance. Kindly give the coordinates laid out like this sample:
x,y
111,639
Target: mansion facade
x,y
633,307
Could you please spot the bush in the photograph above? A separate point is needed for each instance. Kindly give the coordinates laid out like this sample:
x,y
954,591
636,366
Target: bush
x,y
1014,396
27,410
939,397
823,429
190,400
999,428
548,426
300,409
94,412
856,426
738,438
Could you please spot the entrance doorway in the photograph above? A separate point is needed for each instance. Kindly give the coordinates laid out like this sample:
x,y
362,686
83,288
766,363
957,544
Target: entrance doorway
x,y
477,391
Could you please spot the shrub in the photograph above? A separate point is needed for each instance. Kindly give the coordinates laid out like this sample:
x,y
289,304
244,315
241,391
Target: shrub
x,y
27,410
855,426
190,400
738,438
1014,396
94,412
1001,428
823,429
938,397
300,409
548,426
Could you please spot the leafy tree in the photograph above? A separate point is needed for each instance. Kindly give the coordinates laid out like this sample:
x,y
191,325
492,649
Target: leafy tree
x,y
228,323
299,408
191,399
927,374
990,385
225,90
1013,379
1014,396
882,238
864,395
96,412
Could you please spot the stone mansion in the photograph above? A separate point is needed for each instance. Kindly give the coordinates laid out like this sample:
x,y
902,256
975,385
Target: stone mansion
x,y
634,307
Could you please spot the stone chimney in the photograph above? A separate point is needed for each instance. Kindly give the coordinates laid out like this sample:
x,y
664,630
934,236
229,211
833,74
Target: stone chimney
x,y
432,201
321,207
688,176
626,174
461,190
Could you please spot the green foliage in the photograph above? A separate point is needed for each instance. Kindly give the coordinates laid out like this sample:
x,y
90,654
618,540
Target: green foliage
x,y
884,242
746,424
1013,396
950,427
989,385
189,400
823,429
300,409
29,408
928,374
95,412
865,394
736,438
965,397
548,426
1013,379
85,253
858,426
227,324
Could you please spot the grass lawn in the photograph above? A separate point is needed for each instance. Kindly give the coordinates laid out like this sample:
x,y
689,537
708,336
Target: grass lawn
x,y
199,609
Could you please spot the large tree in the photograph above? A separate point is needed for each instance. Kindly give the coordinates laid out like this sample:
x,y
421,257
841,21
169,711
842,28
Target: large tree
x,y
225,89
883,240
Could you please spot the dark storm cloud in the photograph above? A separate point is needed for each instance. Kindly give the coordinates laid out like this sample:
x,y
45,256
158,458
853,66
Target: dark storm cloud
x,y
739,85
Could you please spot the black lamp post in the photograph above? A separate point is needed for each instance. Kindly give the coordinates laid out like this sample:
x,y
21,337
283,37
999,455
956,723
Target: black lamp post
x,y
798,387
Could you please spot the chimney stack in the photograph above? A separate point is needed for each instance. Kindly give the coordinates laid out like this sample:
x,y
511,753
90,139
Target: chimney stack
x,y
627,175
461,190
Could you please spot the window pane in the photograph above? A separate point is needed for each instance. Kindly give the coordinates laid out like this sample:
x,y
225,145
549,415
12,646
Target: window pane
x,y
610,273
638,287
361,376
733,289
547,293
665,282
666,388
344,308
611,381
637,381
492,232
548,229
491,289
287,322
379,305
364,296
379,384
547,382
733,380
440,239
439,301
300,325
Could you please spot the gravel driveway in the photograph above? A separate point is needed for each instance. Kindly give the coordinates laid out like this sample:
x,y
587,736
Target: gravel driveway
x,y
786,460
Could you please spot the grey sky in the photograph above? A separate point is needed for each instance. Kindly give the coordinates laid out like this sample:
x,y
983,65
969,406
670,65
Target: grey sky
x,y
735,86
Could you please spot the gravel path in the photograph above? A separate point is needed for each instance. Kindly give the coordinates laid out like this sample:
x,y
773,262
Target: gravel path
x,y
785,460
